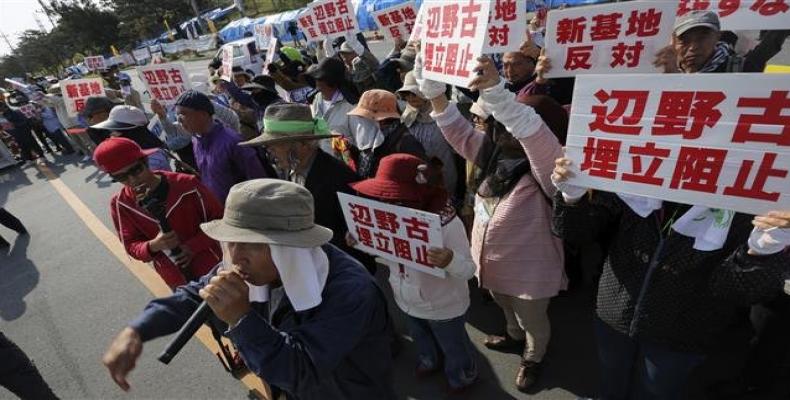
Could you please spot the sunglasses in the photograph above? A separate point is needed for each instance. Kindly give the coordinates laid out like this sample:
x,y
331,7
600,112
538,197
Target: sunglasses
x,y
133,171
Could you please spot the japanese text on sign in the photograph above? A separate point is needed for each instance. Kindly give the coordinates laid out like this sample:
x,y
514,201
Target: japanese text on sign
x,y
397,22
399,234
95,63
227,64
328,19
703,142
507,26
622,37
76,91
453,38
743,14
165,82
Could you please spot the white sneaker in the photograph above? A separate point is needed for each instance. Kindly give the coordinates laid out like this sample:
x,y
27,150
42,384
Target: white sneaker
x,y
86,159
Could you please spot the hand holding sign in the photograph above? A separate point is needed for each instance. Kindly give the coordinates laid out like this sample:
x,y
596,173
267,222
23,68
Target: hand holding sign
x,y
488,76
560,176
771,233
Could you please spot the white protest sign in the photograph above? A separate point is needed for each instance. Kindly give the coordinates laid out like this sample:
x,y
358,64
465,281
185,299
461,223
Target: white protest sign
x,y
507,26
610,38
271,52
156,127
397,22
419,27
718,140
263,33
743,14
76,91
227,64
453,38
399,234
334,18
306,22
95,63
165,82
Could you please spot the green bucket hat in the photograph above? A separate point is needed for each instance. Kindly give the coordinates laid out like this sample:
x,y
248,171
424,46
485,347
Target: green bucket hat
x,y
286,122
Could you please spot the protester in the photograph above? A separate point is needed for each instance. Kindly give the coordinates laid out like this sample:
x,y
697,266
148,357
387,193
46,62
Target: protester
x,y
131,123
291,139
146,197
417,117
518,70
19,375
11,222
51,123
289,73
80,139
379,131
240,76
22,133
131,97
435,306
221,162
360,62
336,97
696,47
518,258
97,110
325,335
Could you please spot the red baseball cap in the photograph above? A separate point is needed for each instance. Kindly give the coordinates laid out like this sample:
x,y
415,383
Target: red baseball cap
x,y
117,153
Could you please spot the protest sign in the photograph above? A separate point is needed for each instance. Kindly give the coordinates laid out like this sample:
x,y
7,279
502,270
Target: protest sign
x,y
743,14
399,234
227,64
397,22
95,63
141,54
165,82
333,18
271,53
76,91
507,26
306,22
156,127
611,38
453,39
419,26
263,34
721,141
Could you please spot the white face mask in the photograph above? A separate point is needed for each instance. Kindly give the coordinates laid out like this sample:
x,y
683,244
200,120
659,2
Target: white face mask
x,y
367,134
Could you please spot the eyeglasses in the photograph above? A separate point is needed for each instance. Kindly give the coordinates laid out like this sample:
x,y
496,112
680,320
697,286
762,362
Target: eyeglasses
x,y
133,171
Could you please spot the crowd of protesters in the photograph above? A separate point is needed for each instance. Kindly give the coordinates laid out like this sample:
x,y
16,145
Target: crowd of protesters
x,y
275,149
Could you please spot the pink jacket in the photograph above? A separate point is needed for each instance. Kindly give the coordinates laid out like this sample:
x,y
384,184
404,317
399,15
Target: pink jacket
x,y
516,253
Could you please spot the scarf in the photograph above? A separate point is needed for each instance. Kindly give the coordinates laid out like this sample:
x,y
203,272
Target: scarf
x,y
708,226
722,53
303,272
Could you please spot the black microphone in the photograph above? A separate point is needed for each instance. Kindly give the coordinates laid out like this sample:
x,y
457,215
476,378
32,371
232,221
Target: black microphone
x,y
201,315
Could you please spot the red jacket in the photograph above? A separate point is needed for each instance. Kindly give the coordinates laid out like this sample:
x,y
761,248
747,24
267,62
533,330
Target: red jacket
x,y
189,204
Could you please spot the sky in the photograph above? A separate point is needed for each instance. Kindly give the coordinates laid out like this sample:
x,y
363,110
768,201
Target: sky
x,y
16,16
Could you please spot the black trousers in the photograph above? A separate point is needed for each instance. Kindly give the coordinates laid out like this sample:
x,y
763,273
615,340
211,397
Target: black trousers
x,y
19,375
61,143
28,146
11,222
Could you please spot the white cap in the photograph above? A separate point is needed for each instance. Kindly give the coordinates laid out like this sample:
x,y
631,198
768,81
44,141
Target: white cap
x,y
123,118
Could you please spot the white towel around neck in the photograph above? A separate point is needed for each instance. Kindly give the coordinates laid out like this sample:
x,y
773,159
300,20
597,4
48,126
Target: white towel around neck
x,y
303,272
708,226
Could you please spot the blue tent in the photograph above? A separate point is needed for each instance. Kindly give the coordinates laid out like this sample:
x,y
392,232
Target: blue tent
x,y
236,29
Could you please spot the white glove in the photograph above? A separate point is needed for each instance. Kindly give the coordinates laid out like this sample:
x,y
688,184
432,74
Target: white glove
x,y
329,51
355,44
770,241
430,89
570,193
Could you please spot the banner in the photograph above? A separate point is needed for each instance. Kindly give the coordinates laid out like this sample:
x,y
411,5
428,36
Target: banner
x,y
95,63
397,22
507,26
399,234
721,141
453,38
227,64
76,91
611,38
334,18
263,34
141,54
203,43
743,14
165,82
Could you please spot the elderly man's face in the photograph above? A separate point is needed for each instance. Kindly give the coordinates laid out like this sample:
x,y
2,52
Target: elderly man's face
x,y
516,67
695,47
286,154
193,121
253,262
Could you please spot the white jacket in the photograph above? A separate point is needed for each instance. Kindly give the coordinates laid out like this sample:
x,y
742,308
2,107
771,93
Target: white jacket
x,y
425,296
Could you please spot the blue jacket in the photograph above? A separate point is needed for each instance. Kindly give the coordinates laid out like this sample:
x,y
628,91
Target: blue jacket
x,y
337,350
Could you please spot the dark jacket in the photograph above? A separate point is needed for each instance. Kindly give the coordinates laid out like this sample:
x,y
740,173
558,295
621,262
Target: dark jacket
x,y
21,131
399,141
337,350
655,285
327,177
